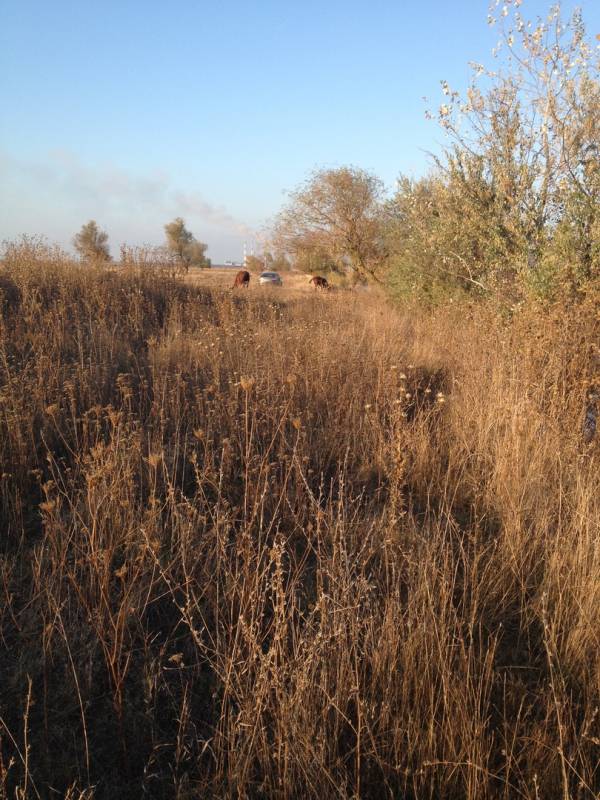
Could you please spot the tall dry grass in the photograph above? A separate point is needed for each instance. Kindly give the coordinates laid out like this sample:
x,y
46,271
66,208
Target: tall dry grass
x,y
258,547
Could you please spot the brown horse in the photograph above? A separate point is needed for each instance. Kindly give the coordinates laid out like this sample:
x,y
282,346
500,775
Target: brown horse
x,y
319,283
242,279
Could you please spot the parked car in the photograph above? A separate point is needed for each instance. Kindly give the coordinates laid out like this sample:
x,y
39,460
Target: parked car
x,y
272,278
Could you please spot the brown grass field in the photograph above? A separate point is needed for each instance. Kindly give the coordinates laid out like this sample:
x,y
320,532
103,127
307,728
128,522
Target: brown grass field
x,y
292,545
223,279
295,284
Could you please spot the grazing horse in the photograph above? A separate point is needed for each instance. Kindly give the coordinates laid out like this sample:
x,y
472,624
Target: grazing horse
x,y
242,279
318,282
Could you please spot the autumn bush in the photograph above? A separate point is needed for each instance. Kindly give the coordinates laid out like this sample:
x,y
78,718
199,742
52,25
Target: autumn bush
x,y
265,547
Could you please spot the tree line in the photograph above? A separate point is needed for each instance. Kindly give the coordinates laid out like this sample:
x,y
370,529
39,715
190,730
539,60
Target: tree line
x,y
91,244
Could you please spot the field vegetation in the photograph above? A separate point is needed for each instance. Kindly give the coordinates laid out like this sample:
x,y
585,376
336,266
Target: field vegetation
x,y
259,545
285,543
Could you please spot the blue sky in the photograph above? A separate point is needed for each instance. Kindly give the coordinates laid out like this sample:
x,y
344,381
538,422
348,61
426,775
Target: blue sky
x,y
134,112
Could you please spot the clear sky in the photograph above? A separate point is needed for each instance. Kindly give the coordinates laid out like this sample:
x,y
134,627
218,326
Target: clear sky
x,y
134,112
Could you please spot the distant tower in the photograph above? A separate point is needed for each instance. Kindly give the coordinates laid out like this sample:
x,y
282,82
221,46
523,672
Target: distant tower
x,y
245,254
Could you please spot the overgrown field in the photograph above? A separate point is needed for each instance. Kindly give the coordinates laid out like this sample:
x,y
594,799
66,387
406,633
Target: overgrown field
x,y
306,548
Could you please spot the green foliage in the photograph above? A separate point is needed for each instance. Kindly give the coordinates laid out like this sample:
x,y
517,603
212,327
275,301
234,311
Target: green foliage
x,y
449,231
512,206
91,243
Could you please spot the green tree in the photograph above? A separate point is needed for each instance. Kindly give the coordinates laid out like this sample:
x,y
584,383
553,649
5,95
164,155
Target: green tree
x,y
447,232
184,246
91,243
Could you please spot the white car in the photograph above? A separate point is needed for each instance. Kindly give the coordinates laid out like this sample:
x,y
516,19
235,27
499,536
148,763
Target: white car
x,y
272,278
